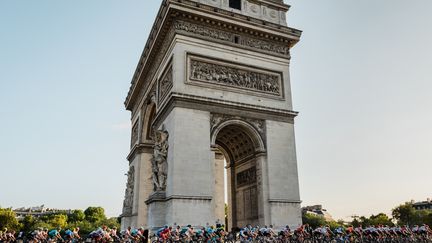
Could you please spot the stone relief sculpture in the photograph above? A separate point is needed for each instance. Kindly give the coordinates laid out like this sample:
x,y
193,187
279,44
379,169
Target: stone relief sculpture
x,y
134,136
236,77
245,40
159,160
165,83
203,31
128,201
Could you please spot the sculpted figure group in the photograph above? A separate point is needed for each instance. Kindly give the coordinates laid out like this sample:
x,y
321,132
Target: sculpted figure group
x,y
128,201
159,160
215,73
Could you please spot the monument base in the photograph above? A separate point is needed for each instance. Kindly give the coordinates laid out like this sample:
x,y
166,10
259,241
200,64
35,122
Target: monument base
x,y
157,210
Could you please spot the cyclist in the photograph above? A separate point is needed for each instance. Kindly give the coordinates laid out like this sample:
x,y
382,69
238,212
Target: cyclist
x,y
270,232
175,233
69,234
286,233
424,230
245,234
76,233
164,233
54,235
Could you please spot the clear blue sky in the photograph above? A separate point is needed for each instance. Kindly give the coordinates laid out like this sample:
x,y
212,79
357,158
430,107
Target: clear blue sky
x,y
361,79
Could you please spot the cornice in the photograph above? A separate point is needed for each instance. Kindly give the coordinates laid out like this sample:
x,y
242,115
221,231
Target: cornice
x,y
284,201
165,15
178,197
222,106
139,149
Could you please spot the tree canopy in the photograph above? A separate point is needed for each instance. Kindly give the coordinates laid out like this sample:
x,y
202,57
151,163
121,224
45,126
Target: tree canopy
x,y
87,221
405,214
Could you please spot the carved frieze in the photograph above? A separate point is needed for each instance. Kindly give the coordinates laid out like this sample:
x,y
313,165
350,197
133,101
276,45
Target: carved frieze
x,y
203,30
222,74
213,32
128,201
246,177
165,83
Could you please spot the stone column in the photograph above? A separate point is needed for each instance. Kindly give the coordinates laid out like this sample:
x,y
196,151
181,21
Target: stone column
x,y
142,187
284,196
231,202
219,187
264,216
145,188
188,196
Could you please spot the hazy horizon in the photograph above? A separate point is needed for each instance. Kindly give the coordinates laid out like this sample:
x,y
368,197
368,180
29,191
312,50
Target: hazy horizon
x,y
360,77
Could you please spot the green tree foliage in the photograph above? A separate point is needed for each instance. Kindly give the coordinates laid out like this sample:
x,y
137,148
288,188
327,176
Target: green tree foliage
x,y
381,219
8,220
313,220
85,227
356,222
58,221
405,214
87,221
76,216
28,223
95,214
111,223
335,224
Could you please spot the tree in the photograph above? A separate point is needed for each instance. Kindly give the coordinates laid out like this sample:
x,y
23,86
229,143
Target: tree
x,y
76,216
335,224
8,220
356,222
28,223
111,223
58,221
404,214
380,219
94,214
313,220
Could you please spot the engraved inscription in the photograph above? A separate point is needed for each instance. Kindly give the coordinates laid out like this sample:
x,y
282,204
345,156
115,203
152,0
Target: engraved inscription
x,y
246,177
235,76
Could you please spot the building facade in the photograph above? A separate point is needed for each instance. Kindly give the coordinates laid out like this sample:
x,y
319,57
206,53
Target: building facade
x,y
213,85
425,205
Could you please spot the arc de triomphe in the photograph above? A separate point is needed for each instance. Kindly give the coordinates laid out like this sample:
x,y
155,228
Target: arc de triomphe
x,y
213,85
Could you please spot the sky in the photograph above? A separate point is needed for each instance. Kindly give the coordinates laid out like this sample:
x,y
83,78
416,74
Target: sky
x,y
361,80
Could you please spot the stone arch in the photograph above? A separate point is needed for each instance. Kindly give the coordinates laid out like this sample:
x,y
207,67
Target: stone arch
x,y
241,144
243,126
148,118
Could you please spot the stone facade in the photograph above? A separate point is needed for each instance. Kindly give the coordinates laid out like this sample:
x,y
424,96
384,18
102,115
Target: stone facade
x,y
213,85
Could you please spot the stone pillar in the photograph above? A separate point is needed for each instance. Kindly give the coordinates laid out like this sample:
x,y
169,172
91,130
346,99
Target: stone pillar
x,y
231,202
283,187
219,187
142,186
264,216
145,188
188,196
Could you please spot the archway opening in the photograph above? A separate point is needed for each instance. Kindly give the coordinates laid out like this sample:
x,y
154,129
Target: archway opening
x,y
236,166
